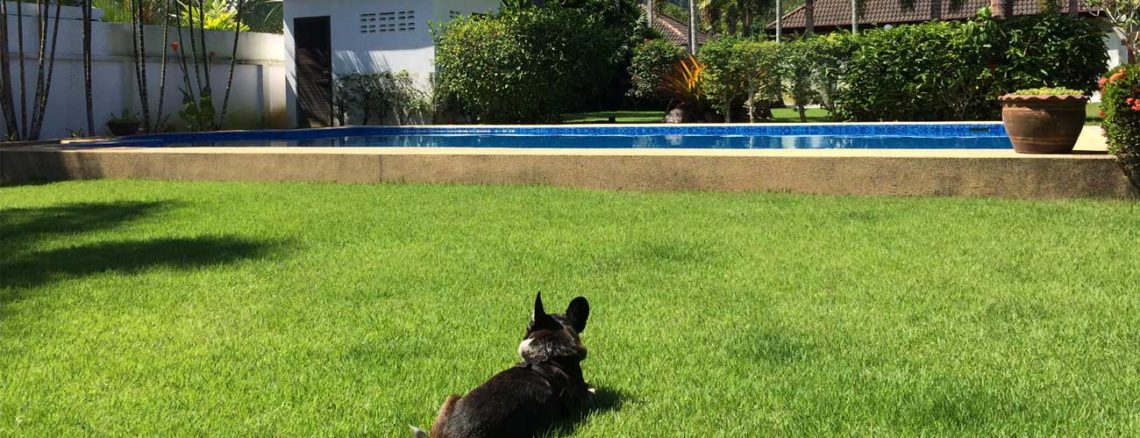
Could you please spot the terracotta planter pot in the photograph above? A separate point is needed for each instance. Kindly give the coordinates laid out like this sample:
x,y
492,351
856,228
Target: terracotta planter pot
x,y
120,129
1043,124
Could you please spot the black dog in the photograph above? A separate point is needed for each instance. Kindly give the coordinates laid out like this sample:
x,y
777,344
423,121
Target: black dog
x,y
529,398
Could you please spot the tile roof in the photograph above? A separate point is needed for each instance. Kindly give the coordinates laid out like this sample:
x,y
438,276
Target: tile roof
x,y
676,31
837,13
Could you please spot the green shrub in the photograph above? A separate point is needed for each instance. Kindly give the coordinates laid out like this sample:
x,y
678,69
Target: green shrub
x,y
829,55
933,71
738,72
525,65
651,61
955,71
1120,94
796,73
359,98
1052,50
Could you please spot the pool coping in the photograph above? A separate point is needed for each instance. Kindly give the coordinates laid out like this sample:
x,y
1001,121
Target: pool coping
x,y
896,172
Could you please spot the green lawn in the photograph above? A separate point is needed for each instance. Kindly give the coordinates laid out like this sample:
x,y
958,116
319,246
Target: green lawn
x,y
164,308
782,115
1092,114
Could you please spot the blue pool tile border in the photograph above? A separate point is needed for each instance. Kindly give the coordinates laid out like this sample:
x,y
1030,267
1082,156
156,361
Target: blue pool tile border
x,y
920,130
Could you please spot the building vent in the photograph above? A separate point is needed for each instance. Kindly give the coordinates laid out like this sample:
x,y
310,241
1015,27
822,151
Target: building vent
x,y
394,21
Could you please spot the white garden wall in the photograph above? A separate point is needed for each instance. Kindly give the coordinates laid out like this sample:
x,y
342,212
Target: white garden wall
x,y
257,97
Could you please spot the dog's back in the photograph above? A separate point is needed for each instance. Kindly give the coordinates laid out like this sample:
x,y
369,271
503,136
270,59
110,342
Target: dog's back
x,y
515,403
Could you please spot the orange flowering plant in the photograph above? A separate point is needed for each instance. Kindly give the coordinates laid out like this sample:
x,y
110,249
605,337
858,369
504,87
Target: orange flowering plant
x,y
1120,104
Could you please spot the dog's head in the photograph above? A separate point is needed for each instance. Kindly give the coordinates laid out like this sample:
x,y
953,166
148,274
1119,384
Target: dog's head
x,y
555,336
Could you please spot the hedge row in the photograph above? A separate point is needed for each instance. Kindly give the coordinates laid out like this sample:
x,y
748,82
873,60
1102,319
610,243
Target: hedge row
x,y
931,71
955,71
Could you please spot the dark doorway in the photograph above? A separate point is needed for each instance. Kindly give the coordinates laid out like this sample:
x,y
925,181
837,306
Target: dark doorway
x,y
314,71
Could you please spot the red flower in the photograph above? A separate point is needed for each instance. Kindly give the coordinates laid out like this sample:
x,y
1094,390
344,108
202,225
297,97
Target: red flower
x,y
1101,115
174,46
1101,83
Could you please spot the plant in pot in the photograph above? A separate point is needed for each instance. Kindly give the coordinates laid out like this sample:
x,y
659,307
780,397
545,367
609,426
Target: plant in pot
x,y
126,123
1044,120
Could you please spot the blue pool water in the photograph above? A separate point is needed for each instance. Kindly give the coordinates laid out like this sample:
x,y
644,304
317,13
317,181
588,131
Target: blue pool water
x,y
769,136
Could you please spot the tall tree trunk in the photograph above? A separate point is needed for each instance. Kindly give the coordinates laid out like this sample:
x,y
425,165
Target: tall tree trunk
x,y
87,90
936,9
692,35
809,17
233,62
162,73
44,90
202,35
855,17
144,93
746,21
7,103
193,47
41,56
779,19
651,12
188,88
23,77
731,16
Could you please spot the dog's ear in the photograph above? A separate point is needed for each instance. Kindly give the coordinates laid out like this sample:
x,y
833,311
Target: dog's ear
x,y
538,310
578,312
540,320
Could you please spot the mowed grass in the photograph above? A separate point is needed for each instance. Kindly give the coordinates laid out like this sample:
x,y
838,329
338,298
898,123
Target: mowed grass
x,y
163,308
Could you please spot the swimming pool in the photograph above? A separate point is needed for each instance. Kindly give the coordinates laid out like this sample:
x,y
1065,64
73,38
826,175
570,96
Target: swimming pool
x,y
982,135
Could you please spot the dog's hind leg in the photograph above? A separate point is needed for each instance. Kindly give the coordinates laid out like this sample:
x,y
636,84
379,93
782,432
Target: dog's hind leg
x,y
438,427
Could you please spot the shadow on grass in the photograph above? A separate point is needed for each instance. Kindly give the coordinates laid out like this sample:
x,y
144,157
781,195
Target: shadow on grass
x,y
605,400
20,228
126,257
22,265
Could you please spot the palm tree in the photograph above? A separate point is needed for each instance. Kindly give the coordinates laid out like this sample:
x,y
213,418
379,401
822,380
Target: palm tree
x,y
7,103
693,27
809,17
233,61
43,84
87,90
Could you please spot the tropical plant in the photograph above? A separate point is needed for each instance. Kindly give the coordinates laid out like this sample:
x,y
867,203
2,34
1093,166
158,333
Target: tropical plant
x,y
125,116
683,86
1120,91
215,14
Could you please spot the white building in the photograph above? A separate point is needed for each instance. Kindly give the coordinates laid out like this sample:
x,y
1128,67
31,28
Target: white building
x,y
327,38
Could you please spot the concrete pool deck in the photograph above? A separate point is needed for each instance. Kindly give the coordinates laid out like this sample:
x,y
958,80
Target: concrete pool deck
x,y
1090,172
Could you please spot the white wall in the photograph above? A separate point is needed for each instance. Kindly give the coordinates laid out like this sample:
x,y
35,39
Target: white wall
x,y
357,52
257,98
